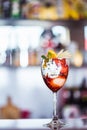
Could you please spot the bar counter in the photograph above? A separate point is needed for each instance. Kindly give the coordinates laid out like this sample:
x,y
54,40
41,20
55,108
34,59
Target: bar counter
x,y
37,124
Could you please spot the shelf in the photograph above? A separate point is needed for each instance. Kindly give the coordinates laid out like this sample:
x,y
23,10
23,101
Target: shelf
x,y
38,66
44,23
25,22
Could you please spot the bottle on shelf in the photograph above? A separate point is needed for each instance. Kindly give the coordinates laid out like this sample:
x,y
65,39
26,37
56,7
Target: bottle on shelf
x,y
15,12
0,9
23,4
8,58
32,9
32,57
6,8
16,57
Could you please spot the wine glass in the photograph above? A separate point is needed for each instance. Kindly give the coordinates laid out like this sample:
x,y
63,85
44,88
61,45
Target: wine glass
x,y
54,71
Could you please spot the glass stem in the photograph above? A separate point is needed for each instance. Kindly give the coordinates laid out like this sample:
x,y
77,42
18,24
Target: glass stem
x,y
54,105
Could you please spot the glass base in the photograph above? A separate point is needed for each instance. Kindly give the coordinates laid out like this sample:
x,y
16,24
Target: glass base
x,y
55,124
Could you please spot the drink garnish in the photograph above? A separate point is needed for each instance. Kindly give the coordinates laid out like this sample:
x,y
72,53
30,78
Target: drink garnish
x,y
52,54
46,59
64,54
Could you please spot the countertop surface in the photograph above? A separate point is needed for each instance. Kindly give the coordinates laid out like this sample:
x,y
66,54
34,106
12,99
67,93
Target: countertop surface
x,y
37,124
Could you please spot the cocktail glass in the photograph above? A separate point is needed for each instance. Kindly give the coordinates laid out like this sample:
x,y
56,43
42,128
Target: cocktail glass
x,y
54,72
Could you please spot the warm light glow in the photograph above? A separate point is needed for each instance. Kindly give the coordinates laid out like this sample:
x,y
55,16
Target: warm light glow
x,y
78,58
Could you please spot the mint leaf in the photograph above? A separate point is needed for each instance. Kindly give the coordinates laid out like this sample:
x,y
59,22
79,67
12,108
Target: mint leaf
x,y
44,57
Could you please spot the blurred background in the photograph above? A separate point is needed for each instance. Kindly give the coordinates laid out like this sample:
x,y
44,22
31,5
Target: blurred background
x,y
28,28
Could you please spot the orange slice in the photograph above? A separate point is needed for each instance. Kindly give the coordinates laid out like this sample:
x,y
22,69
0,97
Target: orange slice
x,y
51,54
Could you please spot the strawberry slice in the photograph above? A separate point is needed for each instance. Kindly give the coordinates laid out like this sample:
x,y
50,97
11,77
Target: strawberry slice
x,y
59,82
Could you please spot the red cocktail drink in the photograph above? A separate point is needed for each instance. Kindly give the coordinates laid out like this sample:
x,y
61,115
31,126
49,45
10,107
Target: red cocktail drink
x,y
54,71
55,76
